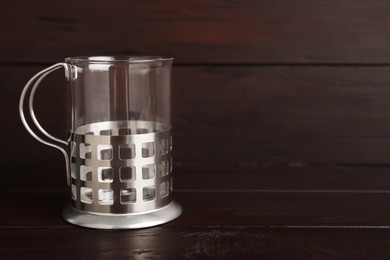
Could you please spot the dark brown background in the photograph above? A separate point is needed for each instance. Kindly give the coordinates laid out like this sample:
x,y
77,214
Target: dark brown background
x,y
255,83
281,120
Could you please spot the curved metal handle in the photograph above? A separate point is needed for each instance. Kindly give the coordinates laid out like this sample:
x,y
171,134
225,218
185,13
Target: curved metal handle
x,y
37,78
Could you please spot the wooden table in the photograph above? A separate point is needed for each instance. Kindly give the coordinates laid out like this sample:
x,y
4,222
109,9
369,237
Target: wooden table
x,y
269,213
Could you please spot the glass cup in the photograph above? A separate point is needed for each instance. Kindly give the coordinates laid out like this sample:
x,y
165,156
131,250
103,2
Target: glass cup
x,y
119,164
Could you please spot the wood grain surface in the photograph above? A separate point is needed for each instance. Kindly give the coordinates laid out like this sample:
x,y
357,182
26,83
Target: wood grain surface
x,y
239,116
280,114
217,224
212,31
195,243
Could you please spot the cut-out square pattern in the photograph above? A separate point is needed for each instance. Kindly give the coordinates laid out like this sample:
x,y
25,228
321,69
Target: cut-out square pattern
x,y
126,173
148,149
106,132
126,151
73,149
148,171
106,196
74,192
163,147
170,165
85,173
104,152
164,189
149,193
163,168
142,131
124,131
105,174
73,170
86,195
128,196
85,151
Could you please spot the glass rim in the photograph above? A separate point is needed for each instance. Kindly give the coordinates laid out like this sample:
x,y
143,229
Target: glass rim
x,y
119,58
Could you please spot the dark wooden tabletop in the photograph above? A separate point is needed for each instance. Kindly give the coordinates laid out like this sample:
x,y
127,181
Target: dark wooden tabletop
x,y
275,213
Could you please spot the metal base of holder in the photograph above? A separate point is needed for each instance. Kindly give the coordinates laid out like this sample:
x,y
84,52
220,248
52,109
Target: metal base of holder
x,y
122,221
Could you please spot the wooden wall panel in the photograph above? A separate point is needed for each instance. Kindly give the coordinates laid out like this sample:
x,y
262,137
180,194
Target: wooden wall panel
x,y
271,115
212,31
256,83
241,116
